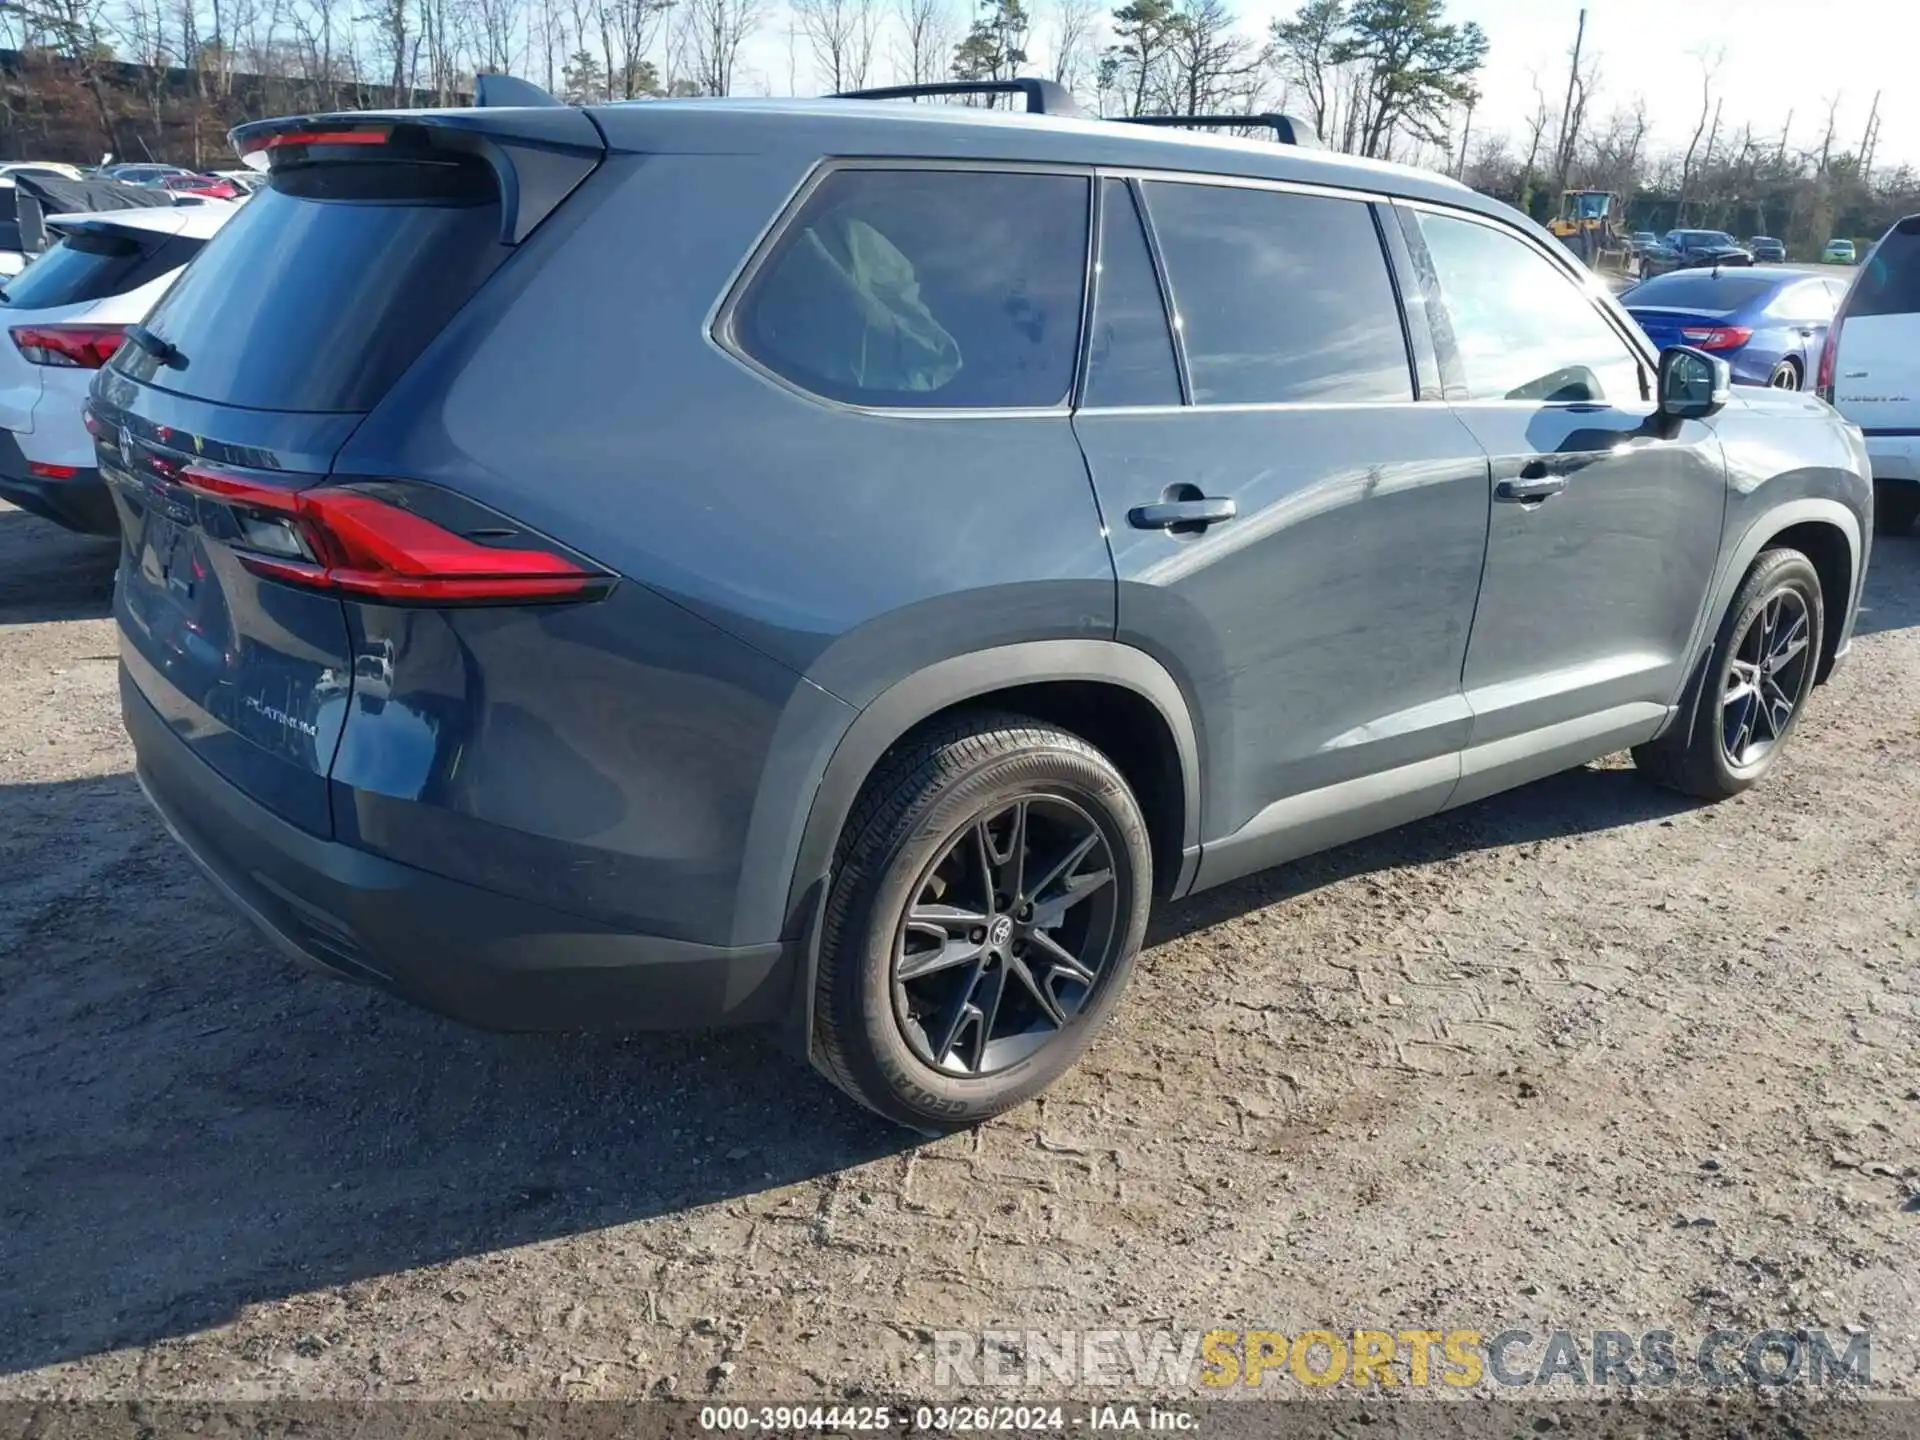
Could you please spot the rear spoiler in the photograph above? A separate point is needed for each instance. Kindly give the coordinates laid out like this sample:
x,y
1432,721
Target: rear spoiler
x,y
539,154
38,196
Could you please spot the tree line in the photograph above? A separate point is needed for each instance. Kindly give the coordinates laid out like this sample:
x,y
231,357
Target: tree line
x,y
1395,79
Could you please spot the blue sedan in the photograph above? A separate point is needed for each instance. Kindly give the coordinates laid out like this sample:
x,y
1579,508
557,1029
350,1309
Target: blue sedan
x,y
1767,324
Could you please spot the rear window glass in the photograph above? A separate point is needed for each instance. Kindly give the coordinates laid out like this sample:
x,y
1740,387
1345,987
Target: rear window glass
x,y
93,264
1280,297
327,285
1889,282
925,288
1692,290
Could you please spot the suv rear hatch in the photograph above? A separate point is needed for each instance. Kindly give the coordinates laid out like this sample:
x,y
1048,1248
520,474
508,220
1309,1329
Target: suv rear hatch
x,y
48,309
218,423
1871,368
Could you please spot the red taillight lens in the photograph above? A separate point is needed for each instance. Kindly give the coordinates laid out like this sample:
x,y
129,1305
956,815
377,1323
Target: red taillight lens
x,y
81,347
1720,337
351,541
253,152
1829,357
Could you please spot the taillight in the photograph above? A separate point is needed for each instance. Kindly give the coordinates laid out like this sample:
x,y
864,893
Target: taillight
x,y
253,151
352,541
1719,337
1829,358
79,347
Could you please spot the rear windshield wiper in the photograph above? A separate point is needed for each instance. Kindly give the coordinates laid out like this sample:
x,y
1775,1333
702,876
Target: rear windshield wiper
x,y
159,349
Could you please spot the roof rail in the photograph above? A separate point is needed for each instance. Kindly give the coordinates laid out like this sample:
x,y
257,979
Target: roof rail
x,y
1286,129
1044,97
508,90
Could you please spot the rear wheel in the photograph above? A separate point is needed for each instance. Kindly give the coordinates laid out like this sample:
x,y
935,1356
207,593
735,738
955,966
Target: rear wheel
x,y
987,904
1754,683
1785,376
1896,505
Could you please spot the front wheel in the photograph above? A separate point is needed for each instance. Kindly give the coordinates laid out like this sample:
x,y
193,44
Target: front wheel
x,y
988,900
1753,684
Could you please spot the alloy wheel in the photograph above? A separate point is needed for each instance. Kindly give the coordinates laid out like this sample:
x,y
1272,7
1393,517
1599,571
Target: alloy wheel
x,y
1765,678
1784,377
1007,937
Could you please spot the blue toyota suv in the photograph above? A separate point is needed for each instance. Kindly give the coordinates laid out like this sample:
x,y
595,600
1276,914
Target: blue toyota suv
x,y
836,564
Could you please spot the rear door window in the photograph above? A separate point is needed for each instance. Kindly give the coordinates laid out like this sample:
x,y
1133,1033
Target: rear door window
x,y
327,285
1130,357
1524,329
94,263
1279,297
925,288
1889,282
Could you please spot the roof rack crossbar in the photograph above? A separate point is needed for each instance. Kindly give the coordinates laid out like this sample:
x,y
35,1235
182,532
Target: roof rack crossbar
x,y
1287,129
1044,97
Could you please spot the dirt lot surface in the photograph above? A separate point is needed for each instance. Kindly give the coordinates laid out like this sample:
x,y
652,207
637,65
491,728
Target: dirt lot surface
x,y
1583,1055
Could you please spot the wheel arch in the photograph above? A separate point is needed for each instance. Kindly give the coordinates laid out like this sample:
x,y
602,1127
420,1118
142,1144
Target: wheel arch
x,y
1102,690
1824,530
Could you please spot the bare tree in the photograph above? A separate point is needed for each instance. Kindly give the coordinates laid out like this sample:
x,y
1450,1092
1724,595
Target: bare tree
x,y
713,33
1069,40
927,32
1210,65
840,34
1709,67
635,26
1826,138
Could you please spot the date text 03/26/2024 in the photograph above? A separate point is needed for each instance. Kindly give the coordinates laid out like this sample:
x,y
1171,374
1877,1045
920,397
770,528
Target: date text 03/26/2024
x,y
942,1419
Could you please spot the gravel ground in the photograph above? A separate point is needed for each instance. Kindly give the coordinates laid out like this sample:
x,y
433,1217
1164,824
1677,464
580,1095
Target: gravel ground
x,y
1583,1055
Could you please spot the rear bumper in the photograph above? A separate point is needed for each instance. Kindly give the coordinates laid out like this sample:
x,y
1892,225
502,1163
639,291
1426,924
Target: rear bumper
x,y
80,502
1894,457
484,958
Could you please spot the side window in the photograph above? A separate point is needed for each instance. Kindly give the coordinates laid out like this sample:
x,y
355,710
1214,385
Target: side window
x,y
1524,328
926,288
1808,304
1130,359
1280,297
1889,280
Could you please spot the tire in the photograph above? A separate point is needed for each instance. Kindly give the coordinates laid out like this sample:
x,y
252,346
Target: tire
x,y
1722,752
1896,505
902,1025
1785,376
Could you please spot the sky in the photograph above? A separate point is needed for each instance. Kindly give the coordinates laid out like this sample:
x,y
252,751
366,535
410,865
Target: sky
x,y
1774,56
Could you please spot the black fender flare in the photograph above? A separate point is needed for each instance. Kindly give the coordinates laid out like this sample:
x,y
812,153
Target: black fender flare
x,y
1740,557
926,693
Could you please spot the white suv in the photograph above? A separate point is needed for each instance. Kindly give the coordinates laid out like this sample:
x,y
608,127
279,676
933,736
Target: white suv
x,y
1870,371
65,315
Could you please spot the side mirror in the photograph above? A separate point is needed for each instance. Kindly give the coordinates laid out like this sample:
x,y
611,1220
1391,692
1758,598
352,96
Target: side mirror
x,y
1693,384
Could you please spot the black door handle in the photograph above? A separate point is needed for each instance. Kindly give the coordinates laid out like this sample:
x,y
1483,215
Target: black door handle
x,y
1531,490
1181,514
